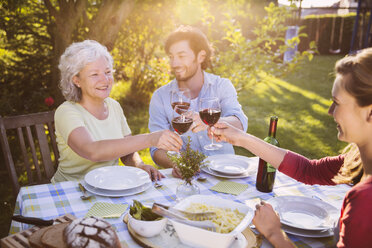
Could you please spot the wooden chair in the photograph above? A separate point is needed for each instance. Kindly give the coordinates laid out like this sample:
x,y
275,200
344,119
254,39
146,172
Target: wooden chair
x,y
31,163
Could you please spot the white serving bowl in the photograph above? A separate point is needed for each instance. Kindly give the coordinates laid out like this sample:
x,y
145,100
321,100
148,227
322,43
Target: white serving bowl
x,y
146,228
197,237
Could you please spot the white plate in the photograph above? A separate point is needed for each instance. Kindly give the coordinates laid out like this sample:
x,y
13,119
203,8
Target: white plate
x,y
304,212
229,166
307,233
251,161
117,178
116,193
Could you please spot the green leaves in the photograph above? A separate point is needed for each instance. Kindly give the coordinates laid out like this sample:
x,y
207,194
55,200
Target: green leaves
x,y
189,162
248,55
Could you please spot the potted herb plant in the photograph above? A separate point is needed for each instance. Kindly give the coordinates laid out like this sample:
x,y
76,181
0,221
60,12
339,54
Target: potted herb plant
x,y
189,163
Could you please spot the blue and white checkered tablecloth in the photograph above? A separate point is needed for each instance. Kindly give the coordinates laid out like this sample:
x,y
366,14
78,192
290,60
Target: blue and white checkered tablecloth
x,y
48,201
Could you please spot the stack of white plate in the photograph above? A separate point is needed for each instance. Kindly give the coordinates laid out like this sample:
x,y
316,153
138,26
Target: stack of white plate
x,y
305,216
117,181
230,165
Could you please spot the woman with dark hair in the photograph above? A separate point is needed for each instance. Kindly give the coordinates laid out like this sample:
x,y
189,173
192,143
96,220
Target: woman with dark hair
x,y
352,112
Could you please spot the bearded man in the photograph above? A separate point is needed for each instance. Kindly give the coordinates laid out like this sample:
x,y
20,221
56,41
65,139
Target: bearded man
x,y
190,55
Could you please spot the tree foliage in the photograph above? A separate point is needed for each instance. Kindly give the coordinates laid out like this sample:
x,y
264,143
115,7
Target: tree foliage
x,y
247,36
245,60
80,19
35,33
247,45
26,51
139,58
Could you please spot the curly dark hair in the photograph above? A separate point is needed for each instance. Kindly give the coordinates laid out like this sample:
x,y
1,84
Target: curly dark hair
x,y
197,40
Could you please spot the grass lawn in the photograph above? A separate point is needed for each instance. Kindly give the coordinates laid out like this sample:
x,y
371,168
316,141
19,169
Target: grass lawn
x,y
300,100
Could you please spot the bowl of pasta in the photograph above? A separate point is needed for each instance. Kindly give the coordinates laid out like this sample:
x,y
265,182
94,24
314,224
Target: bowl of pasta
x,y
231,219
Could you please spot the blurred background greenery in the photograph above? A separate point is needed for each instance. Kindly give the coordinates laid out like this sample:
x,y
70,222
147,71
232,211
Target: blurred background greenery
x,y
248,36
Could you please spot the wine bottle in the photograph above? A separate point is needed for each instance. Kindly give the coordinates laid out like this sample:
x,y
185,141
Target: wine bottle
x,y
266,172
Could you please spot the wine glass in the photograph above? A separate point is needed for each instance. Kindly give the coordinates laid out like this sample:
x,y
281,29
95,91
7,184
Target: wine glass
x,y
181,97
210,112
181,121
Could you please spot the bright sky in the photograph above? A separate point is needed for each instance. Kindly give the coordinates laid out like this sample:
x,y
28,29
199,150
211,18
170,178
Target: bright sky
x,y
312,3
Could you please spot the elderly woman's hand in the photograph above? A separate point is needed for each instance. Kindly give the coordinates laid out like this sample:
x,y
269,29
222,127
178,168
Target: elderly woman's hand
x,y
155,175
166,140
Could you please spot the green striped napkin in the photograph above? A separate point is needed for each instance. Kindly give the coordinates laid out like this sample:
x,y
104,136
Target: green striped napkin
x,y
229,187
107,210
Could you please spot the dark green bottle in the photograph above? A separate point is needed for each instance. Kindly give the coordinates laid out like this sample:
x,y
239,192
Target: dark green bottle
x,y
266,172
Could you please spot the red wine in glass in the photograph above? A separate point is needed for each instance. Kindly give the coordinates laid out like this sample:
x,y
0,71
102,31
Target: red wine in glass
x,y
182,106
182,98
210,112
181,124
210,116
181,121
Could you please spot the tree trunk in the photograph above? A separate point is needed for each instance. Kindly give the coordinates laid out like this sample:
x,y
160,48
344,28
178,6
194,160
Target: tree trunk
x,y
105,26
71,17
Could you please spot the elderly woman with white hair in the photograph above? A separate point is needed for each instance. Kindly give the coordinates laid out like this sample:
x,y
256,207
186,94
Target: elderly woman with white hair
x,y
91,128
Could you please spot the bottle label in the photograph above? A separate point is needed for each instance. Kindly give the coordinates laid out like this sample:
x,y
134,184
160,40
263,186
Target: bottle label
x,y
270,168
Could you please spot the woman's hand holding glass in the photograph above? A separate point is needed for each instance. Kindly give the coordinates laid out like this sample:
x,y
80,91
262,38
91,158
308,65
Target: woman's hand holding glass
x,y
166,140
223,131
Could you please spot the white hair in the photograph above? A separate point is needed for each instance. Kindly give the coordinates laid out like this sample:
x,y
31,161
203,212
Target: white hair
x,y
73,60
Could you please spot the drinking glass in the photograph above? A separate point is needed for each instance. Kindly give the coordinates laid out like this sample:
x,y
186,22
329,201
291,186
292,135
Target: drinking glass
x,y
181,97
181,121
210,112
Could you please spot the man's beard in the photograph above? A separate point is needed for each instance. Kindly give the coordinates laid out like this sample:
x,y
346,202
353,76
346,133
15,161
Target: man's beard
x,y
182,79
186,77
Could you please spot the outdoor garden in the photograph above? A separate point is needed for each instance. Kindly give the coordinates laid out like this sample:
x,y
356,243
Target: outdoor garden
x,y
248,37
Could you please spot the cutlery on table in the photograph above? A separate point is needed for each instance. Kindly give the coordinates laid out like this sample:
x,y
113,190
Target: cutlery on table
x,y
205,224
85,195
32,220
157,184
200,177
155,181
200,216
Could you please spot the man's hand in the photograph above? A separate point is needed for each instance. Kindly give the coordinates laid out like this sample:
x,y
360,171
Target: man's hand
x,y
176,172
197,125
